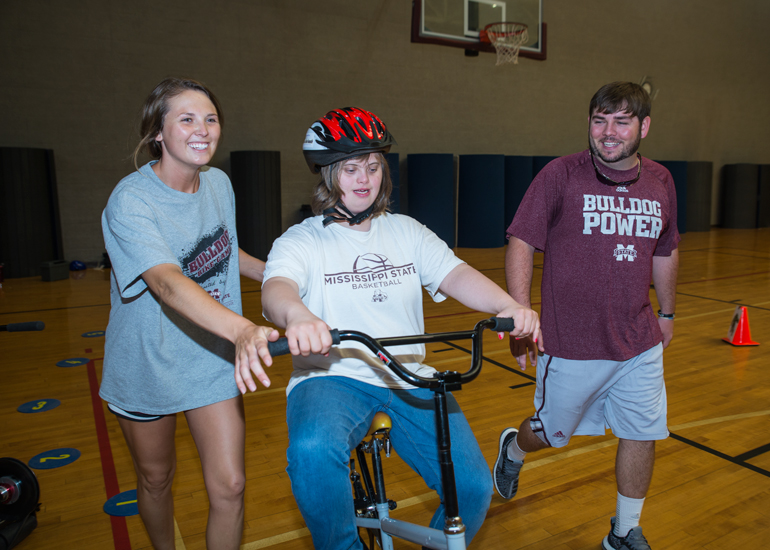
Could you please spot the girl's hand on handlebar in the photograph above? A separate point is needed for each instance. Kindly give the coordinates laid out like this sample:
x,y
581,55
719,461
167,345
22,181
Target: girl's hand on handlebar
x,y
250,346
526,322
526,338
307,335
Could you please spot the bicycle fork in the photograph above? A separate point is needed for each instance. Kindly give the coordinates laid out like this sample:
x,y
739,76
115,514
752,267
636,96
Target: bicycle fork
x,y
372,507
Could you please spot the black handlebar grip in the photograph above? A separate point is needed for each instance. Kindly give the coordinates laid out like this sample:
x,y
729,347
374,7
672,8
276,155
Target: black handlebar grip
x,y
22,327
281,346
502,324
335,336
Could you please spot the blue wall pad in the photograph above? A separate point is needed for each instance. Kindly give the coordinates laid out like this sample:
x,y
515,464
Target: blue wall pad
x,y
431,192
518,176
256,179
30,230
395,195
481,212
699,178
678,169
740,188
538,163
763,208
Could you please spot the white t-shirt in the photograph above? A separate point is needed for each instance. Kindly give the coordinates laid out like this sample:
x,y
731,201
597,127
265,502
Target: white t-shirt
x,y
366,281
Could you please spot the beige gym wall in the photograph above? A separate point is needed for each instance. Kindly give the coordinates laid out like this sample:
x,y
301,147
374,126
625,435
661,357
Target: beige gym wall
x,y
74,74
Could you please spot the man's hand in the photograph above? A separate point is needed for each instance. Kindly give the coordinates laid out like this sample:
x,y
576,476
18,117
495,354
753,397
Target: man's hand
x,y
667,328
521,347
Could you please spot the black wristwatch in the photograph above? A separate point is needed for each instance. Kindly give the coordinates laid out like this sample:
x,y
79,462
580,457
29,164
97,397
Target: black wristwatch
x,y
669,316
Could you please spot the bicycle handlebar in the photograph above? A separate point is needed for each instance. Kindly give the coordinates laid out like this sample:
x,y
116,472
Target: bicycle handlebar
x,y
281,346
449,379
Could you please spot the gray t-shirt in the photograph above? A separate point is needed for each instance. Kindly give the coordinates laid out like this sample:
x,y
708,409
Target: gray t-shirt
x,y
156,361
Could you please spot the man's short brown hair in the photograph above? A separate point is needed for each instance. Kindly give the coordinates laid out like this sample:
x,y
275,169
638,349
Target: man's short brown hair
x,y
621,96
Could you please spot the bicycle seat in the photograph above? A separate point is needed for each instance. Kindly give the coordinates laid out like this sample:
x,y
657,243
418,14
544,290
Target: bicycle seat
x,y
380,423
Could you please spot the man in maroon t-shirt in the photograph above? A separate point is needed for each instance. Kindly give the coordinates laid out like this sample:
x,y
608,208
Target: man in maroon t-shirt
x,y
605,220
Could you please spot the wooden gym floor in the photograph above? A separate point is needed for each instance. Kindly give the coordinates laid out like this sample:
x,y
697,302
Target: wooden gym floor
x,y
711,487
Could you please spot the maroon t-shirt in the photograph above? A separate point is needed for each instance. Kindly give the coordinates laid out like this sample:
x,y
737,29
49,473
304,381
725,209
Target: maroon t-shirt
x,y
598,242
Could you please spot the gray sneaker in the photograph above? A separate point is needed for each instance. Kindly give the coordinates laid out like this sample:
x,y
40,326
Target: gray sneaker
x,y
634,540
506,472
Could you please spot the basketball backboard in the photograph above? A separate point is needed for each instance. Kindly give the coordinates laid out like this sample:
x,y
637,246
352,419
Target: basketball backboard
x,y
457,23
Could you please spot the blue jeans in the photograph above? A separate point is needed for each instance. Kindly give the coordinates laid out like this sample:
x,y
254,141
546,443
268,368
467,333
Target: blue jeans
x,y
329,415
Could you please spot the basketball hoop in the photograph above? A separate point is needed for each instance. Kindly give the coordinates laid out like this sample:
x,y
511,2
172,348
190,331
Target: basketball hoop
x,y
507,38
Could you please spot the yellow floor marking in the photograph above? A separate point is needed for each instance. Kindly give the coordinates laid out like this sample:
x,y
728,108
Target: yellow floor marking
x,y
568,454
717,420
416,500
704,314
263,391
178,540
719,311
277,539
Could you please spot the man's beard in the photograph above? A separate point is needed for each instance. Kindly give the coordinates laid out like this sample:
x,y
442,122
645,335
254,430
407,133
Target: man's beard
x,y
626,152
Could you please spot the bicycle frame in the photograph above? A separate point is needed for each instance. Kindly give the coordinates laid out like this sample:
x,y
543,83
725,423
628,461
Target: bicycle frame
x,y
453,535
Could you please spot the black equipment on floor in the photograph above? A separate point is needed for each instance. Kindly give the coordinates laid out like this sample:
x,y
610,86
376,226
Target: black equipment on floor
x,y
19,500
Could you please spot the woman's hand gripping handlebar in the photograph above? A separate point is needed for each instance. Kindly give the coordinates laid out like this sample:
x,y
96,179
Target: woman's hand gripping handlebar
x,y
449,379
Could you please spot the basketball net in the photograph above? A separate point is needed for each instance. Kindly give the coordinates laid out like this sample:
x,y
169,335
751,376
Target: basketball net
x,y
507,38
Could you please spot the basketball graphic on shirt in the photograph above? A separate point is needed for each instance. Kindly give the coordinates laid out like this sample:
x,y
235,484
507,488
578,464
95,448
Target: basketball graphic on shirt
x,y
379,296
371,263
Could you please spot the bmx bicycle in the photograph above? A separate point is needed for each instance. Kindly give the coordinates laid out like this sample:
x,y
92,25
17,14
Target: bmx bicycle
x,y
371,504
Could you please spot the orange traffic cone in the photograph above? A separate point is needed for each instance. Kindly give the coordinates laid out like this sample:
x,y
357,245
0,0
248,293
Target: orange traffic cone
x,y
739,333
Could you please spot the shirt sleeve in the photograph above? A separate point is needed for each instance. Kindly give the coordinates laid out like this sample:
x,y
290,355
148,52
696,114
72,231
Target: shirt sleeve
x,y
133,240
289,258
435,260
669,238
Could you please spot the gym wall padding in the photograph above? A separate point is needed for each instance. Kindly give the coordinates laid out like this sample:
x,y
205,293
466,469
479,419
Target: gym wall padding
x,y
431,193
740,183
699,178
678,169
256,178
481,204
30,229
763,206
518,175
395,195
539,162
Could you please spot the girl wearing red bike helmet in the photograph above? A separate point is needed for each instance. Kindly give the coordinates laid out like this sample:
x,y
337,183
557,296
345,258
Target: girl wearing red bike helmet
x,y
355,265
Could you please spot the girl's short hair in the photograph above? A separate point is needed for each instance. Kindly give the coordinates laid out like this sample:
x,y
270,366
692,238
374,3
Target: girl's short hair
x,y
328,192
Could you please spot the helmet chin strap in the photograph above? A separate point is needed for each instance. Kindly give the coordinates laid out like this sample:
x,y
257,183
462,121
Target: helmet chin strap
x,y
340,213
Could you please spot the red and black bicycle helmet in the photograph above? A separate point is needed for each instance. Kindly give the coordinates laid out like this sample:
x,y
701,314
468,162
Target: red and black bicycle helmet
x,y
344,133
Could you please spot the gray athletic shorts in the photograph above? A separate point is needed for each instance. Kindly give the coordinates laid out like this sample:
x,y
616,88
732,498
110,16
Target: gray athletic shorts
x,y
133,416
586,397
